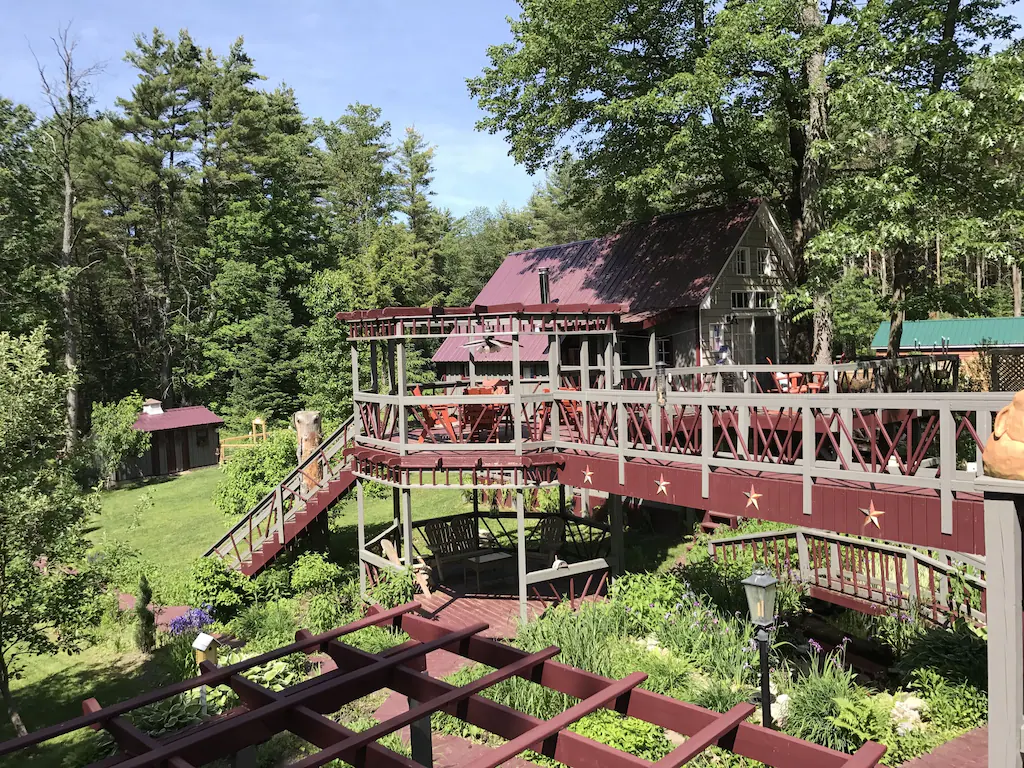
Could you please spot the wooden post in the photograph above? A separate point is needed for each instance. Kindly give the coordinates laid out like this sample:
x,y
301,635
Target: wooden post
x,y
521,553
803,557
361,535
615,520
554,381
472,369
402,387
357,417
374,369
1004,601
407,527
517,389
309,437
585,421
420,733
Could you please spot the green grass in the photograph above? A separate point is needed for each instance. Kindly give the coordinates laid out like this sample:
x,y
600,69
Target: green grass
x,y
181,524
54,687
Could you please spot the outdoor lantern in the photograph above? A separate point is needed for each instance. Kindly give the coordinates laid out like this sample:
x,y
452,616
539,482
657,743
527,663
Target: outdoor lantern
x,y
760,587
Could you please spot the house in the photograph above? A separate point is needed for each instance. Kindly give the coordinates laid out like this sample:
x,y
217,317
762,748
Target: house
x,y
180,439
690,283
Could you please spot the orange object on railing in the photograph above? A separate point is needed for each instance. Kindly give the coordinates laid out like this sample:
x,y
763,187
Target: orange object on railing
x,y
432,416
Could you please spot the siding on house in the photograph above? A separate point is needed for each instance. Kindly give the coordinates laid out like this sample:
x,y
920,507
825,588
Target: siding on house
x,y
718,307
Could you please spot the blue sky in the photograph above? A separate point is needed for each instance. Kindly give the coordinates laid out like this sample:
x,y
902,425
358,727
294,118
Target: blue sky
x,y
409,57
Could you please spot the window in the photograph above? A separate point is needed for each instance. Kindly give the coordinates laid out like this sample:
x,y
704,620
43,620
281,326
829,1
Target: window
x,y
741,299
764,263
664,344
742,261
717,336
763,300
202,437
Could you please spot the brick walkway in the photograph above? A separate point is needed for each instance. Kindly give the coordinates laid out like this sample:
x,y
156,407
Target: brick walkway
x,y
967,751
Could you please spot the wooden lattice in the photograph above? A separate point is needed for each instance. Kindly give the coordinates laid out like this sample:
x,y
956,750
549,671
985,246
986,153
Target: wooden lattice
x,y
302,709
1007,371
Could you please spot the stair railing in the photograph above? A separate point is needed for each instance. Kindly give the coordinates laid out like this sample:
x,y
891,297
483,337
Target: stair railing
x,y
281,505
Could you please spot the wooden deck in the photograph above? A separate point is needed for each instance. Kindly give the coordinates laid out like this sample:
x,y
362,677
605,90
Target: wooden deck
x,y
455,608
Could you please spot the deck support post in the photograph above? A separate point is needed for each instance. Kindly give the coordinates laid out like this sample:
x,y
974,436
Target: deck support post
x,y
615,520
1003,512
420,733
361,535
357,416
472,369
374,370
517,389
403,390
407,527
561,499
585,422
554,382
803,556
521,552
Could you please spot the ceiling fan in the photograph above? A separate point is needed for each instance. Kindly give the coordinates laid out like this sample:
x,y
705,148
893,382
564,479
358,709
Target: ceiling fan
x,y
489,343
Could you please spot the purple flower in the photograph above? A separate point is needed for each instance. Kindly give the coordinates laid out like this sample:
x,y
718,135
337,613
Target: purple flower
x,y
193,620
815,645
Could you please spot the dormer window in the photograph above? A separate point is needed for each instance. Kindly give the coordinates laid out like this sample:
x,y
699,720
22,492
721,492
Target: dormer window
x,y
764,263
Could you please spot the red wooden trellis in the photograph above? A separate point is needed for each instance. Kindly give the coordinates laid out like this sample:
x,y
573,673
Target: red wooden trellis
x,y
301,709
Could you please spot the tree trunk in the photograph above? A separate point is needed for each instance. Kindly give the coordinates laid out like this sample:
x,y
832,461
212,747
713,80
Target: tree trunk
x,y
68,311
899,309
12,708
813,175
308,427
1015,283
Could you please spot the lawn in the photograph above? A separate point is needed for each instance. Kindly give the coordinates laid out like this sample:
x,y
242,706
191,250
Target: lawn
x,y
178,526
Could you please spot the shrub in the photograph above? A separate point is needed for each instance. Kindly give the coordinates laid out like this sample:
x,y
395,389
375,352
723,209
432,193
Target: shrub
x,y
255,471
273,584
226,591
313,573
328,611
954,707
646,598
145,629
266,627
394,588
958,653
626,734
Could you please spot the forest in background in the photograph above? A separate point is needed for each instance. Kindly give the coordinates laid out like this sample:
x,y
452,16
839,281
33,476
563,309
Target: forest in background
x,y
194,241
214,230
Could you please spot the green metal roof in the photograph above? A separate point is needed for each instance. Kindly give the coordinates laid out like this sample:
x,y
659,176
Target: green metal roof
x,y
959,333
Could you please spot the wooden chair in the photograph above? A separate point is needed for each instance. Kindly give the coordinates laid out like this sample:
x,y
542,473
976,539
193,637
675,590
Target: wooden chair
x,y
548,540
433,416
453,541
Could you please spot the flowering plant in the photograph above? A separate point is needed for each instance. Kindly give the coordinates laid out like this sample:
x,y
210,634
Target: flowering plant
x,y
194,620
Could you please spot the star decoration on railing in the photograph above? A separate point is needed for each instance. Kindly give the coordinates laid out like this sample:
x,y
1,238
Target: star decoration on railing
x,y
663,485
871,515
588,475
752,497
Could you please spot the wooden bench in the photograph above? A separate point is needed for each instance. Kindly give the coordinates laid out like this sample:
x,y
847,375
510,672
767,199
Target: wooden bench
x,y
454,540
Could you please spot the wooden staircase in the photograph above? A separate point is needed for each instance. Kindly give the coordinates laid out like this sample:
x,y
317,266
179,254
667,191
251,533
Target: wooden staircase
x,y
289,510
714,520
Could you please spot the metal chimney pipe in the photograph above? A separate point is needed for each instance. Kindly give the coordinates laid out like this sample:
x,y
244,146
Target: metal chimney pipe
x,y
545,286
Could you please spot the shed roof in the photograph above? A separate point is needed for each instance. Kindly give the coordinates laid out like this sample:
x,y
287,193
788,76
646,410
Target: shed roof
x,y
959,333
176,418
669,262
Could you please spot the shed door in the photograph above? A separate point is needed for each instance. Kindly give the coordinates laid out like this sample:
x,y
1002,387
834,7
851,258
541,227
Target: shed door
x,y
764,340
172,458
186,462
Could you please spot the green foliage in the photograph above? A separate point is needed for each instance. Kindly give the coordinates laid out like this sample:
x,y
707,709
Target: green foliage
x,y
254,471
646,598
275,675
952,706
273,583
393,589
214,584
313,573
47,603
113,438
626,734
145,628
813,706
267,626
959,653
856,313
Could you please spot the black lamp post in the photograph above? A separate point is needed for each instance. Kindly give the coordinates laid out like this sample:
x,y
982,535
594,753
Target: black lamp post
x,y
760,587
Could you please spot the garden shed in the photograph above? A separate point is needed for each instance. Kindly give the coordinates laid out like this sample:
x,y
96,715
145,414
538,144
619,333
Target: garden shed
x,y
180,439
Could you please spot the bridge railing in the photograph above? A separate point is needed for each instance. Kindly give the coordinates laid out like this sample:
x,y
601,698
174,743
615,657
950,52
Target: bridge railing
x,y
880,577
285,500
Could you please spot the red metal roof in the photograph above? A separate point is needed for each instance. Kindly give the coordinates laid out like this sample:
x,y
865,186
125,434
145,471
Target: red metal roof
x,y
648,267
177,418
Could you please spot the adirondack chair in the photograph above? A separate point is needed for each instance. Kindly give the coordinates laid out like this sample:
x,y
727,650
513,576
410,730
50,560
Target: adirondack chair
x,y
548,540
434,415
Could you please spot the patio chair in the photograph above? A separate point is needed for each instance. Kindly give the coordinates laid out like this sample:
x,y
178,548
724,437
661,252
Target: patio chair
x,y
432,416
549,539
